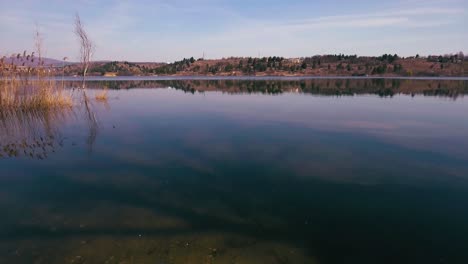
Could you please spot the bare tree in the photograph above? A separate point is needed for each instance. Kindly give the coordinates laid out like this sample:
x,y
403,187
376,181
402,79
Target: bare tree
x,y
86,52
38,41
461,58
86,46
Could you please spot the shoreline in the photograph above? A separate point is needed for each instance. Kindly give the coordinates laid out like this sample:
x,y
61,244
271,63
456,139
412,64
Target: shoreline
x,y
254,78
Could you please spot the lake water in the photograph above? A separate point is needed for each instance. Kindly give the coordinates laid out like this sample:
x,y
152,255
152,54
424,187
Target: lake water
x,y
230,171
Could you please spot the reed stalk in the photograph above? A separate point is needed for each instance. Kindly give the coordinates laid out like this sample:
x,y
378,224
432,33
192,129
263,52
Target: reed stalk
x,y
29,88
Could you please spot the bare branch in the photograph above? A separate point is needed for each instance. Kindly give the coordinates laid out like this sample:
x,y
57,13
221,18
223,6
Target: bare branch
x,y
86,46
38,43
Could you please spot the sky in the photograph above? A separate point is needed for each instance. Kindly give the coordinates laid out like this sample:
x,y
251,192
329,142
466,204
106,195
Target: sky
x,y
168,30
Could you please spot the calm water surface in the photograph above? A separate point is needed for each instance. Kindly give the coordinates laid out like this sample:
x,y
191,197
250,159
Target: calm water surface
x,y
229,172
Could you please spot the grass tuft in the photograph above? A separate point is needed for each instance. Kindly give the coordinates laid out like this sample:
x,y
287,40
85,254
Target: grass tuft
x,y
102,96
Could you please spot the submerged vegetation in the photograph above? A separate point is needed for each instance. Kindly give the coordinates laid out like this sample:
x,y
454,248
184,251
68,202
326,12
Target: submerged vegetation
x,y
33,134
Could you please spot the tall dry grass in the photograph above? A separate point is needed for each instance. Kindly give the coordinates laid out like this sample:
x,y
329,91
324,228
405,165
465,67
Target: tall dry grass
x,y
29,88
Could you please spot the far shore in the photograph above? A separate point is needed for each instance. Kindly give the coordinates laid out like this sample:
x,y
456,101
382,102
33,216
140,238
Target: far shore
x,y
246,77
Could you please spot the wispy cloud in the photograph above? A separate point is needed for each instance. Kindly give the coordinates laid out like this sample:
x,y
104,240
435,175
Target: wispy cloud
x,y
422,17
168,30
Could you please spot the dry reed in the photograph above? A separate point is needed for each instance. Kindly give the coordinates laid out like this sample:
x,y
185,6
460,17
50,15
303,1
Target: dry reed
x,y
29,88
101,96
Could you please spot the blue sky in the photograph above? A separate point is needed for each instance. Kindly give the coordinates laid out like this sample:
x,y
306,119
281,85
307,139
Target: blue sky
x,y
167,30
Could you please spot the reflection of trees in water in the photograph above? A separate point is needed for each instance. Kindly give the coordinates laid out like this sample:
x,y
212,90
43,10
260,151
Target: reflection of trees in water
x,y
91,121
37,133
330,87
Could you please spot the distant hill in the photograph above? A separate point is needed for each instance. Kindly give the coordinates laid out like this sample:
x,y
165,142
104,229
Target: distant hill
x,y
321,65
28,62
116,68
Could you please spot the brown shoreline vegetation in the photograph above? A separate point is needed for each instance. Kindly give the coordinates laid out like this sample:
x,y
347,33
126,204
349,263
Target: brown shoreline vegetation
x,y
30,88
32,106
27,83
101,96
